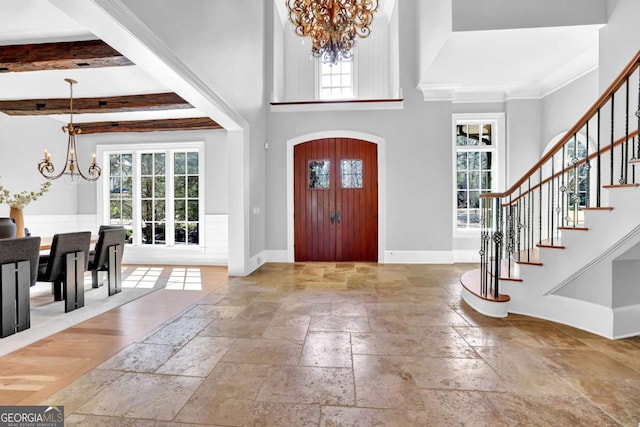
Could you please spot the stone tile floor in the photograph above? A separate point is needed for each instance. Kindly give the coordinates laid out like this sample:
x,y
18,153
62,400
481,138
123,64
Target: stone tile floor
x,y
357,345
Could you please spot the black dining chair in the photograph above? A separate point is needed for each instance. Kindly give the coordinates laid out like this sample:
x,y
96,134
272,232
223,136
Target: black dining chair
x,y
107,256
18,272
64,267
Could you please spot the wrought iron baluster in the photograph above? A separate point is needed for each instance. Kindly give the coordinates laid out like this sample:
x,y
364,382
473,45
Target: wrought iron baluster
x,y
613,95
575,197
598,165
563,188
540,206
587,168
552,202
498,237
624,148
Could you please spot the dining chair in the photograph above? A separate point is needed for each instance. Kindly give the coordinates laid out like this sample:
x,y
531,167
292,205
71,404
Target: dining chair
x,y
18,272
107,256
64,267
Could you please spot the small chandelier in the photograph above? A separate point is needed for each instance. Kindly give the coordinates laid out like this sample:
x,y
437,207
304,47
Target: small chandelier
x,y
71,166
332,25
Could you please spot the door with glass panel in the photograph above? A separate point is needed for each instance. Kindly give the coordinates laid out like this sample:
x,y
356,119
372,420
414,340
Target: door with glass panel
x,y
336,200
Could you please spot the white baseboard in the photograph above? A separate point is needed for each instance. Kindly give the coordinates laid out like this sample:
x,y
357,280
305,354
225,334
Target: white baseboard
x,y
277,255
418,257
626,321
466,255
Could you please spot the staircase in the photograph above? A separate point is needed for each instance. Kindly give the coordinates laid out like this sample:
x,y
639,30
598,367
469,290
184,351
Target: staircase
x,y
563,243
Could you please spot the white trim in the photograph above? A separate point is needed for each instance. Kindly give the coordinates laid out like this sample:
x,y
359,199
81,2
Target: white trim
x,y
419,257
338,106
466,255
500,151
277,256
380,142
258,260
626,321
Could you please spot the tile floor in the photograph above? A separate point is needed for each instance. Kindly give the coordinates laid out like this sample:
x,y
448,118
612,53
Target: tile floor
x,y
357,345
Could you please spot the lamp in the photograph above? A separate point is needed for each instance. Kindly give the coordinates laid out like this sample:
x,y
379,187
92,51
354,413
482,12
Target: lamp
x,y
71,166
332,25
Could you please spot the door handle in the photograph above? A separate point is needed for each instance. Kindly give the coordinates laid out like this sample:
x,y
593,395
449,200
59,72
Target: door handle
x,y
332,217
339,217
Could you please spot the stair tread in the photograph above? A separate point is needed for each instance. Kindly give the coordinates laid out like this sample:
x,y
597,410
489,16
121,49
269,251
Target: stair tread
x,y
621,186
602,208
574,228
472,283
547,244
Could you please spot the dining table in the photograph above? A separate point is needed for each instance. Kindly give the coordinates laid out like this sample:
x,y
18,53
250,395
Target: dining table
x,y
45,242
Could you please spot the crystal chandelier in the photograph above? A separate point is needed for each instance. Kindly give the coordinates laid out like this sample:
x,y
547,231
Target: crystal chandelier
x,y
71,166
332,25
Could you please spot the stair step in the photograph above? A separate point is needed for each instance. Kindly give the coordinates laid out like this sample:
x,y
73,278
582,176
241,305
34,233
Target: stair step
x,y
547,244
609,187
574,228
607,208
634,161
471,282
531,257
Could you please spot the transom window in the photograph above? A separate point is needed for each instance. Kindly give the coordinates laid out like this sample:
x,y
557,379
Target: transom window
x,y
336,81
476,168
156,194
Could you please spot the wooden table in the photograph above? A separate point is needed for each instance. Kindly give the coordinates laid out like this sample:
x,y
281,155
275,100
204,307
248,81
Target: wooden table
x,y
45,242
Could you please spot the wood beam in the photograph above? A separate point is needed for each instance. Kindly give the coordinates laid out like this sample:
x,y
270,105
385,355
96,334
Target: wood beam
x,y
198,123
112,104
59,56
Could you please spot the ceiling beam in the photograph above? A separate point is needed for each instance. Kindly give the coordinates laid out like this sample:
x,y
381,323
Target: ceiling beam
x,y
111,104
198,123
59,56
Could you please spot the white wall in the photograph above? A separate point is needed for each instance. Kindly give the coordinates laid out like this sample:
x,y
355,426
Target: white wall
x,y
524,118
22,143
618,39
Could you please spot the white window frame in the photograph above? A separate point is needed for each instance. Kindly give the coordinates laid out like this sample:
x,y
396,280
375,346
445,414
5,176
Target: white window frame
x,y
318,79
499,172
103,152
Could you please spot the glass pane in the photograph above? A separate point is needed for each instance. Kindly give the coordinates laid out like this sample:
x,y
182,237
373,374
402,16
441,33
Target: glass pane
x,y
351,173
319,174
326,81
159,187
127,210
462,199
474,180
462,161
180,184
127,164
192,191
486,180
194,234
192,163
115,187
147,210
127,187
179,165
159,233
181,232
114,162
486,160
159,164
462,218
159,210
486,134
474,218
474,161
180,210
115,212
462,180
193,213
146,163
147,234
474,199
146,187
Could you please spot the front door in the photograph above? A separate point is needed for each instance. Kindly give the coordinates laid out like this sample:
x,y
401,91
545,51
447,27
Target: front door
x,y
336,200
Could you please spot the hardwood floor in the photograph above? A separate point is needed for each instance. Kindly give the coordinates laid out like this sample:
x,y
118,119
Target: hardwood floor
x,y
29,375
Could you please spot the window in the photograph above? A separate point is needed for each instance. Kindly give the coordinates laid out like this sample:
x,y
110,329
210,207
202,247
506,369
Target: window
x,y
155,193
477,166
336,81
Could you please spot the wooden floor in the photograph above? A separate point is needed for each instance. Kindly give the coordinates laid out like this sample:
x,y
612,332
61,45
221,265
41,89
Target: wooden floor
x,y
29,375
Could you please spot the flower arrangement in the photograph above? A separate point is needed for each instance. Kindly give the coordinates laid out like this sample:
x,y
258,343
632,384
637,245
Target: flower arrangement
x,y
20,200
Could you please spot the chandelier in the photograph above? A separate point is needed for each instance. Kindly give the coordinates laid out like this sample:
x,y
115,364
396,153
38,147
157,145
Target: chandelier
x,y
332,25
71,166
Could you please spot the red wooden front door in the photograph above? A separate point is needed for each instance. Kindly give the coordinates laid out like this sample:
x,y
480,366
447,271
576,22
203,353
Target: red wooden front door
x,y
336,200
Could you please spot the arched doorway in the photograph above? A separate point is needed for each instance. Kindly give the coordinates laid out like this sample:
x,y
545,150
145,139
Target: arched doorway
x,y
336,200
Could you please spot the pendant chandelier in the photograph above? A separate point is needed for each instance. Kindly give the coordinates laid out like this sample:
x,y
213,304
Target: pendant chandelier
x,y
332,25
71,166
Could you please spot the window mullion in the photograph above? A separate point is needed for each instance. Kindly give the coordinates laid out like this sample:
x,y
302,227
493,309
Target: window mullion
x,y
137,203
170,195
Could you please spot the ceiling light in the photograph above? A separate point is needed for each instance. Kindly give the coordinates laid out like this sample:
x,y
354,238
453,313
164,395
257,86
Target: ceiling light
x,y
71,166
332,25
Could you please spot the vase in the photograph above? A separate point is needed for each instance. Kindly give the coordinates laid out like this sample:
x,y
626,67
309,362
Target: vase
x,y
18,218
7,228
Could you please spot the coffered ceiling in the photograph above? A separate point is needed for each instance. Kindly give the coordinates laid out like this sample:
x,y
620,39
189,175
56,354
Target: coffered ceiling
x,y
40,46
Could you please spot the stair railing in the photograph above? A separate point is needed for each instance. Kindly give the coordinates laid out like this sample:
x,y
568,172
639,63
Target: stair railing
x,y
600,151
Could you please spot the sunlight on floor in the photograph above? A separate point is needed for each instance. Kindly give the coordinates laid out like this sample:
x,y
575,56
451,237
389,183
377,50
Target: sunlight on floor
x,y
188,279
143,277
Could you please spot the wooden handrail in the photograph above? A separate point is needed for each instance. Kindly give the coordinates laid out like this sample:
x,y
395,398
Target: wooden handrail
x,y
604,98
582,161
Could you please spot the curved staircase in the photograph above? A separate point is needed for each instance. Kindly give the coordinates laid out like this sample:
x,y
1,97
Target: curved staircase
x,y
563,243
